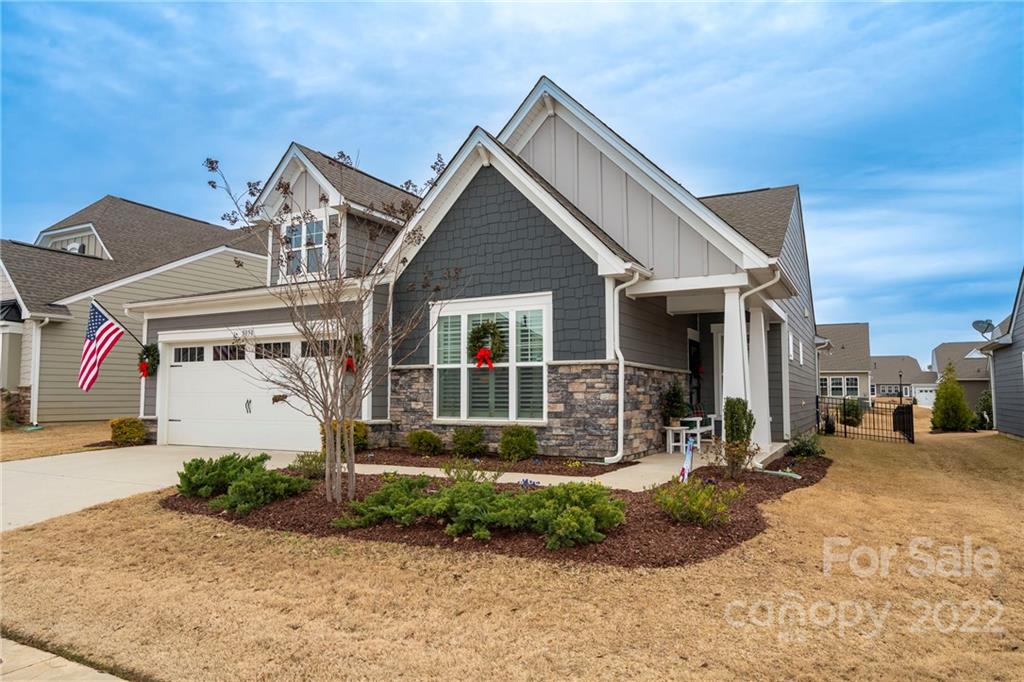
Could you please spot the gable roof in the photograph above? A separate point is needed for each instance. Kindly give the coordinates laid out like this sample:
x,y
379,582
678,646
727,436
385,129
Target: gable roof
x,y
138,237
355,185
850,347
956,352
760,215
885,369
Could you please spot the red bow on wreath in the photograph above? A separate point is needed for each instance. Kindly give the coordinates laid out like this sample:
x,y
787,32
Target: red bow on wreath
x,y
350,365
143,369
484,355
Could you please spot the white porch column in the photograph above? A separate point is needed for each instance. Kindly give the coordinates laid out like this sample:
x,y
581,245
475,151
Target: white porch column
x,y
758,377
733,347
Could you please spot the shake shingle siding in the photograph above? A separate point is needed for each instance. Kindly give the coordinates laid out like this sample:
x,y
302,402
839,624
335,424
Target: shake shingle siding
x,y
504,245
802,377
650,335
1008,371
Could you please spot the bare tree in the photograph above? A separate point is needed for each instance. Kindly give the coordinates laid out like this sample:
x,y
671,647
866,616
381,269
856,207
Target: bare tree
x,y
343,318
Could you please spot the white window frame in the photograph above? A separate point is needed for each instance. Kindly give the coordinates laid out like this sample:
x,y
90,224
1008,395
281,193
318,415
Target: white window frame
x,y
322,215
832,388
801,351
492,304
846,387
826,392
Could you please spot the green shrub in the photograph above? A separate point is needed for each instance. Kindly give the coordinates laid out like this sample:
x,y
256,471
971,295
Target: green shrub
x,y
567,514
739,421
950,411
696,502
402,499
209,477
983,412
673,403
126,431
850,412
258,487
517,443
425,442
469,507
806,445
468,441
360,435
310,464
459,469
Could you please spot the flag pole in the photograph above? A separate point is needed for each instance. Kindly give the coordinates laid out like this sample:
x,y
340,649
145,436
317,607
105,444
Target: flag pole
x,y
122,325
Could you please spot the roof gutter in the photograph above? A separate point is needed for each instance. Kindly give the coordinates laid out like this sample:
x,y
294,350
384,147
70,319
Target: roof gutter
x,y
638,272
743,328
37,346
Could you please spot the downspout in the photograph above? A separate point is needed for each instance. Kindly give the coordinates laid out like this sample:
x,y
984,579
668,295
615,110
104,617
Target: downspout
x,y
743,328
620,437
37,349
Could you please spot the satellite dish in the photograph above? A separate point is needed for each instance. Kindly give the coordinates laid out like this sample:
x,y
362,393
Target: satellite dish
x,y
983,327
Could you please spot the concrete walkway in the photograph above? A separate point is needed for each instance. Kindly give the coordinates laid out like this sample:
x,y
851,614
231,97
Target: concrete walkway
x,y
20,662
34,490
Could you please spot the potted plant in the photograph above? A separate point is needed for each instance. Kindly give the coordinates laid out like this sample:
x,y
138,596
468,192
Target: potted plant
x,y
673,405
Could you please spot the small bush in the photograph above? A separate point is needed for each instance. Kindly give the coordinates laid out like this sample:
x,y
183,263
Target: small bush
x,y
696,502
459,469
310,464
950,411
425,442
125,431
850,412
469,507
209,477
517,443
360,435
806,445
567,514
739,421
733,457
259,487
402,499
468,441
673,403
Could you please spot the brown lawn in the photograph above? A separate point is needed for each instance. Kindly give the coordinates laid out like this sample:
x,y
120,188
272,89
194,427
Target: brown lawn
x,y
53,439
159,594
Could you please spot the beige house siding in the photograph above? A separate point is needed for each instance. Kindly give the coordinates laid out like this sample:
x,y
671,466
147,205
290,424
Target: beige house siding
x,y
620,205
27,332
6,288
117,391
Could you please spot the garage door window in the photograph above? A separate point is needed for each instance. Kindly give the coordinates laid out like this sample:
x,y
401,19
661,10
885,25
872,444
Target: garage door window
x,y
273,351
189,354
222,353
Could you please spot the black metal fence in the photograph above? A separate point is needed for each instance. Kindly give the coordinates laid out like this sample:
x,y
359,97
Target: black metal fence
x,y
858,418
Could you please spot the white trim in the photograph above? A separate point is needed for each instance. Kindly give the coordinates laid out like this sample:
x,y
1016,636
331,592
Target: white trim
x,y
367,406
609,317
464,165
492,304
224,334
321,215
17,296
162,395
7,327
601,361
293,152
660,368
154,271
74,228
37,341
674,285
650,177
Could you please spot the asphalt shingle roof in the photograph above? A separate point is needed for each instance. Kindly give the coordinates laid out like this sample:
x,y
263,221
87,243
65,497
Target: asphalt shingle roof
x,y
760,215
138,238
885,369
356,185
956,352
851,347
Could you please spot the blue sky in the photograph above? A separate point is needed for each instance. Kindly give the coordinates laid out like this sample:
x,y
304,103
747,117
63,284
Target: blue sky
x,y
901,123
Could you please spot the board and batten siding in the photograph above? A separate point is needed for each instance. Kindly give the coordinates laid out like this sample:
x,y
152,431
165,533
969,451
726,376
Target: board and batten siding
x,y
116,392
1008,380
631,215
799,309
88,239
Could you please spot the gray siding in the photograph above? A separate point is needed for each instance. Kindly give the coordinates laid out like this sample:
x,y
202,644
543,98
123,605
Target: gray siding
x,y
650,335
1008,377
365,242
803,379
504,245
707,360
379,398
774,348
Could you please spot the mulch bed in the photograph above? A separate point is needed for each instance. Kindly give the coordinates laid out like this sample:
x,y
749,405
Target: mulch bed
x,y
648,538
537,465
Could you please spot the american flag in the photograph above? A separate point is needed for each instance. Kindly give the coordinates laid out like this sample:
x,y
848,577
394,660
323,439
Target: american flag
x,y
101,333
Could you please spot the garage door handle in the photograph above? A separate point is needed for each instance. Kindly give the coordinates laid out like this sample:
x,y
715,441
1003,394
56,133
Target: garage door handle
x,y
175,365
174,420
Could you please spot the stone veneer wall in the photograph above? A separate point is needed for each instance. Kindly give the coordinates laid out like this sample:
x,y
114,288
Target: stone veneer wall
x,y
582,409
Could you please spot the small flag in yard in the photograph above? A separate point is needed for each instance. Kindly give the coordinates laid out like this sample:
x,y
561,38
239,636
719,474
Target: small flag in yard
x,y
101,333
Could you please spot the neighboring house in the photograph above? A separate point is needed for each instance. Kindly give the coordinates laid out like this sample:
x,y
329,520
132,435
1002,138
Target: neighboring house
x,y
115,251
970,363
1006,350
844,364
569,237
894,376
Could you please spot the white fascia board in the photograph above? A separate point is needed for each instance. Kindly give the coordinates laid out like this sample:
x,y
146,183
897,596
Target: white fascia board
x,y
675,285
262,331
722,235
217,302
155,271
466,163
17,296
75,228
334,196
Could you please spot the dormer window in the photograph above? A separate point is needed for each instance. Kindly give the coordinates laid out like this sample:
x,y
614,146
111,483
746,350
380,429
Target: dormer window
x,y
305,247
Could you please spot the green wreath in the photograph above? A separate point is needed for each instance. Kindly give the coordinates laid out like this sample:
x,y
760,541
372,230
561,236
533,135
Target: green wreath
x,y
487,333
149,358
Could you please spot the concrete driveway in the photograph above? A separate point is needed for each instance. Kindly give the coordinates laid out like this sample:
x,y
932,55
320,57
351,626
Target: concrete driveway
x,y
38,489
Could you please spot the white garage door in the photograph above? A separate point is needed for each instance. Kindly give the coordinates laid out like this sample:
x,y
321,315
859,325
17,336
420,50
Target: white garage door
x,y
925,396
223,403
